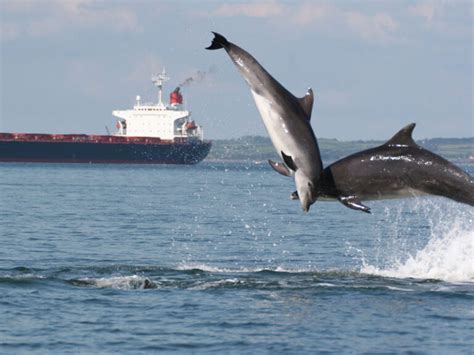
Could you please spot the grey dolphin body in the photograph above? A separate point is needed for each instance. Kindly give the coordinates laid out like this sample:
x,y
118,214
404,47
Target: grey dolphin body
x,y
286,119
398,168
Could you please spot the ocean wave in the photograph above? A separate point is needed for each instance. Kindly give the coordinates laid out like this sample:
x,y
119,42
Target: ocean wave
x,y
21,279
224,283
201,267
321,281
202,277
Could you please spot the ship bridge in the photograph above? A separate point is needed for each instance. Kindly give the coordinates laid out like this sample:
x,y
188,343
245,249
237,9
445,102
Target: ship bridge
x,y
159,120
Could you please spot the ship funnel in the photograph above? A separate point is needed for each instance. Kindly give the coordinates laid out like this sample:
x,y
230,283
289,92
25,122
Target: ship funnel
x,y
176,98
138,100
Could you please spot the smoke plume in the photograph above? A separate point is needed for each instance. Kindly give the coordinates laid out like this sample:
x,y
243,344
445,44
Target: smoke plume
x,y
199,76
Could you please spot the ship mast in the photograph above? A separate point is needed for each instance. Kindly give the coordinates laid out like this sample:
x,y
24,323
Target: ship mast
x,y
158,80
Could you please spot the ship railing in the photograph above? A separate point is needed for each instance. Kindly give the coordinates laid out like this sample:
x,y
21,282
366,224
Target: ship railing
x,y
196,133
79,138
186,134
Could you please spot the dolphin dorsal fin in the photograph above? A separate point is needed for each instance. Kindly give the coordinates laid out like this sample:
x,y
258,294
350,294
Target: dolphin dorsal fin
x,y
403,136
306,103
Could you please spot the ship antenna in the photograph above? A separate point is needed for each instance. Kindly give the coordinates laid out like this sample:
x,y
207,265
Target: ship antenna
x,y
158,80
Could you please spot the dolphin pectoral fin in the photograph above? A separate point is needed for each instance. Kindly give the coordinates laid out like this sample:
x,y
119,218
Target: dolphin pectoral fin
x,y
354,203
218,42
306,103
294,196
280,168
289,161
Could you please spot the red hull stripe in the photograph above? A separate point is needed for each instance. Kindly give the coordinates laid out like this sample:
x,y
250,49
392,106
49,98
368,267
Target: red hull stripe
x,y
88,161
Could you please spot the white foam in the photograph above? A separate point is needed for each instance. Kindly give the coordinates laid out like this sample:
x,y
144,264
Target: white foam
x,y
24,277
448,255
198,266
393,288
216,284
120,282
214,269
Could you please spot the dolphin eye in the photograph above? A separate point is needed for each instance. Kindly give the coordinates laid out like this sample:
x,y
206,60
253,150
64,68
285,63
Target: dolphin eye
x,y
310,185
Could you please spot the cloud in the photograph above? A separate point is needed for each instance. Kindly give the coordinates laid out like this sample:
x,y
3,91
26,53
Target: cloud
x,y
444,17
18,5
308,13
87,13
302,14
45,18
425,10
9,31
379,27
257,9
325,16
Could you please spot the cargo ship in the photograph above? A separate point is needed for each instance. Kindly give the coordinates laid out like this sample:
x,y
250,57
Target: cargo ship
x,y
150,133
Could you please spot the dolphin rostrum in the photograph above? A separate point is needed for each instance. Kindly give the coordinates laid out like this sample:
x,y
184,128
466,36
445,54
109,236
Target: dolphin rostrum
x,y
399,168
286,119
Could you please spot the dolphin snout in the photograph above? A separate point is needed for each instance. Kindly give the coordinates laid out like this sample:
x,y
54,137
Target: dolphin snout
x,y
306,202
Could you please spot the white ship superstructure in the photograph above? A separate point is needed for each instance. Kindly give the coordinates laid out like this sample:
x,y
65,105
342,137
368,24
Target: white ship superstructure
x,y
167,122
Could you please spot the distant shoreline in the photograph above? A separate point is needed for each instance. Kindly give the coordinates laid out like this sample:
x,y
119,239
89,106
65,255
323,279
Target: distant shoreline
x,y
258,149
325,163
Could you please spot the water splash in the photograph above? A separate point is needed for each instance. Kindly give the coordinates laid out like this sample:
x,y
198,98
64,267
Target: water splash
x,y
448,254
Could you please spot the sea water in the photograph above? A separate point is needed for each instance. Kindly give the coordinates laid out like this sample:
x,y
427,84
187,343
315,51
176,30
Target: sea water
x,y
217,258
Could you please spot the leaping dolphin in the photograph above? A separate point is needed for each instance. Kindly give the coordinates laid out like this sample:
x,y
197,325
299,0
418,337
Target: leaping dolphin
x,y
286,119
398,168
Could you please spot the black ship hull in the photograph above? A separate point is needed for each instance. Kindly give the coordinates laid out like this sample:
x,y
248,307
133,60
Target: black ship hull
x,y
99,151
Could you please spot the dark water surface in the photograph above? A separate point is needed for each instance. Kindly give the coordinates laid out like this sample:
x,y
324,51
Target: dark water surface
x,y
217,258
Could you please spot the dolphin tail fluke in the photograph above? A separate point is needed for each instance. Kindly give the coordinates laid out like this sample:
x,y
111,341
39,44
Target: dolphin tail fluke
x,y
218,42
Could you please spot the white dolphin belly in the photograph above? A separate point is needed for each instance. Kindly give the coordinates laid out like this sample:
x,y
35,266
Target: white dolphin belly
x,y
275,125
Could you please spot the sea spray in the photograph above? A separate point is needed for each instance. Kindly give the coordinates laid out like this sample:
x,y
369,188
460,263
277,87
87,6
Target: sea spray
x,y
447,253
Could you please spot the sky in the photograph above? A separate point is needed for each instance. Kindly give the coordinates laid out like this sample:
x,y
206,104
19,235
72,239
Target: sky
x,y
374,66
